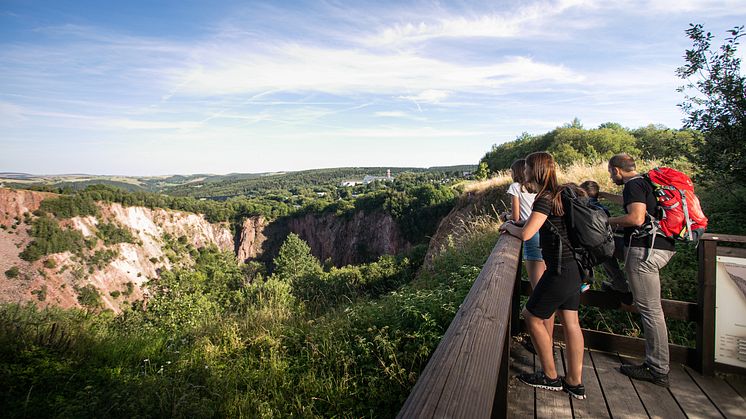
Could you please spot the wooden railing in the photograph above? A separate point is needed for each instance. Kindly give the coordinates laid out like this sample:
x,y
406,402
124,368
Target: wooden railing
x,y
467,374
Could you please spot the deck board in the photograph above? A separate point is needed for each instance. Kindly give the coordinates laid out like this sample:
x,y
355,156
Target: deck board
x,y
738,383
594,406
658,401
611,394
553,404
727,401
521,398
689,396
621,395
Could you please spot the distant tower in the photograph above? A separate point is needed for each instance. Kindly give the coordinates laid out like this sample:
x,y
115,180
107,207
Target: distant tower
x,y
388,173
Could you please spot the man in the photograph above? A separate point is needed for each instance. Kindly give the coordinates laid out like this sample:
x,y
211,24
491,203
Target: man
x,y
645,256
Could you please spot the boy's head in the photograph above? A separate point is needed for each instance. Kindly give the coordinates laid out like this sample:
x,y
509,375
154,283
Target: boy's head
x,y
591,188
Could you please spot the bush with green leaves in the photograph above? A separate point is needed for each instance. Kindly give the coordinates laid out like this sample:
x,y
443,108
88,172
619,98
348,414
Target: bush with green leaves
x,y
12,273
50,238
111,233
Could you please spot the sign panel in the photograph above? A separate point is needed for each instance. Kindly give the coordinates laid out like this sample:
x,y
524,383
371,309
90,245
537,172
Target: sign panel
x,y
730,311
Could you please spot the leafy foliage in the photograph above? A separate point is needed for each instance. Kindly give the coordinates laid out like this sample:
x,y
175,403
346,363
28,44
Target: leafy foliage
x,y
716,103
12,273
50,238
111,233
572,143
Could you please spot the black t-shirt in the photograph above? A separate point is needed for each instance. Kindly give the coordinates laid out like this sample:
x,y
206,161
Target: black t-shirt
x,y
550,242
640,190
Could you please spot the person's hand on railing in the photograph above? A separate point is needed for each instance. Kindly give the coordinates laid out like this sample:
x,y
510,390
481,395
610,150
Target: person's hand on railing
x,y
511,227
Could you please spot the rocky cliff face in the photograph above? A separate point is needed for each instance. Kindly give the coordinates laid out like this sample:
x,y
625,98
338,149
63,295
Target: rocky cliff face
x,y
57,279
361,238
482,202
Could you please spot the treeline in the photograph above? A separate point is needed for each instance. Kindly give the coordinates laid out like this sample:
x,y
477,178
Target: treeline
x,y
317,180
572,143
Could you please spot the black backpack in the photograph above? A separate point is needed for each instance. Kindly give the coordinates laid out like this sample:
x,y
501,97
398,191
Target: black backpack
x,y
591,236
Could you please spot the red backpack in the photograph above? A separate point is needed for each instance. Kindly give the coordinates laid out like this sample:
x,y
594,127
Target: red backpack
x,y
679,214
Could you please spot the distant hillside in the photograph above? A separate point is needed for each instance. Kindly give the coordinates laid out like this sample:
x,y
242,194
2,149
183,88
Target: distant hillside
x,y
217,186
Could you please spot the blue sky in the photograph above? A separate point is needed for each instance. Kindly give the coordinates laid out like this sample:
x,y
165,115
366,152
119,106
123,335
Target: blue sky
x,y
165,87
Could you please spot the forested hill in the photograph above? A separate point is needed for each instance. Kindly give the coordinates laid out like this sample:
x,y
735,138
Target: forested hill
x,y
222,186
573,143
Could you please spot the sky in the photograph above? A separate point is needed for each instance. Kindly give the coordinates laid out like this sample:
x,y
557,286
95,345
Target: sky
x,y
182,86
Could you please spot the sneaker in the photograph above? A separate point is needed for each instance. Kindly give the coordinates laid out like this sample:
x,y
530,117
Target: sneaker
x,y
584,287
577,392
540,380
624,297
645,373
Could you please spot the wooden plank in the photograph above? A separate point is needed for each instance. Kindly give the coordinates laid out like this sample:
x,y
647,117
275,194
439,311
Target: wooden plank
x,y
738,383
621,396
723,238
460,379
594,406
689,396
731,251
609,342
657,400
672,309
726,399
521,398
553,404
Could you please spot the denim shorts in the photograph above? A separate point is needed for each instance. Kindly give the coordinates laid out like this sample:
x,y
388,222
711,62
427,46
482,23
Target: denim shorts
x,y
531,249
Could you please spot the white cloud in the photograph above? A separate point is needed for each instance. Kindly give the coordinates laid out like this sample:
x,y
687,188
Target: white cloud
x,y
297,68
527,20
428,96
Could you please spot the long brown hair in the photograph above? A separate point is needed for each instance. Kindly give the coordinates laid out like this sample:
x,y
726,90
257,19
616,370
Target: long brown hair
x,y
542,171
518,173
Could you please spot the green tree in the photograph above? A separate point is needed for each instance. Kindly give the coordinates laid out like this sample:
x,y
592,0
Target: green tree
x,y
483,172
715,103
295,261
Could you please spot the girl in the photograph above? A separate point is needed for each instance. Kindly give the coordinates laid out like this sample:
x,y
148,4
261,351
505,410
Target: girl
x,y
521,202
559,286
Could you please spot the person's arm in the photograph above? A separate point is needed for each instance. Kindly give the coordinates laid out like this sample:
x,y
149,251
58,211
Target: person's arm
x,y
635,216
529,229
516,208
616,199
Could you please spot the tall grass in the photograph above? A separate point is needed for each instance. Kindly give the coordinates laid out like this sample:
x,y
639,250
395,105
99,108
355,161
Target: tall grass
x,y
261,355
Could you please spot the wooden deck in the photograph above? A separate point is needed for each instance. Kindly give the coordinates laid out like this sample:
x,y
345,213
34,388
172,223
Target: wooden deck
x,y
613,395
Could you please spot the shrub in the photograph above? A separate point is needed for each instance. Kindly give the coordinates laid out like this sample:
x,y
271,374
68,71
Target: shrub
x,y
49,263
41,293
111,233
88,296
12,272
50,238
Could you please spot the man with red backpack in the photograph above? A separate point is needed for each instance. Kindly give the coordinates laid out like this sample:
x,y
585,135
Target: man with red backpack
x,y
646,253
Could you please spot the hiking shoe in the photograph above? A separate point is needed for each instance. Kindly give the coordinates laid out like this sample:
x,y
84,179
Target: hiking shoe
x,y
540,380
624,297
645,373
577,392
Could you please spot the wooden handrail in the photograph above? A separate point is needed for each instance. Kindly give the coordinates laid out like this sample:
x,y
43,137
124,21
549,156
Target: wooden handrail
x,y
461,377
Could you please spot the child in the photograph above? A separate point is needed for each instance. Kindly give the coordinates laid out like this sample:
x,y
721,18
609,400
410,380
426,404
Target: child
x,y
618,282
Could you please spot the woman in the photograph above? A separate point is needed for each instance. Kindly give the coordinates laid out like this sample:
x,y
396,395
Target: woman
x,y
521,202
558,288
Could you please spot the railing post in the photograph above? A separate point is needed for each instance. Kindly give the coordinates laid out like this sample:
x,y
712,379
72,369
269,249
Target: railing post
x,y
707,253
